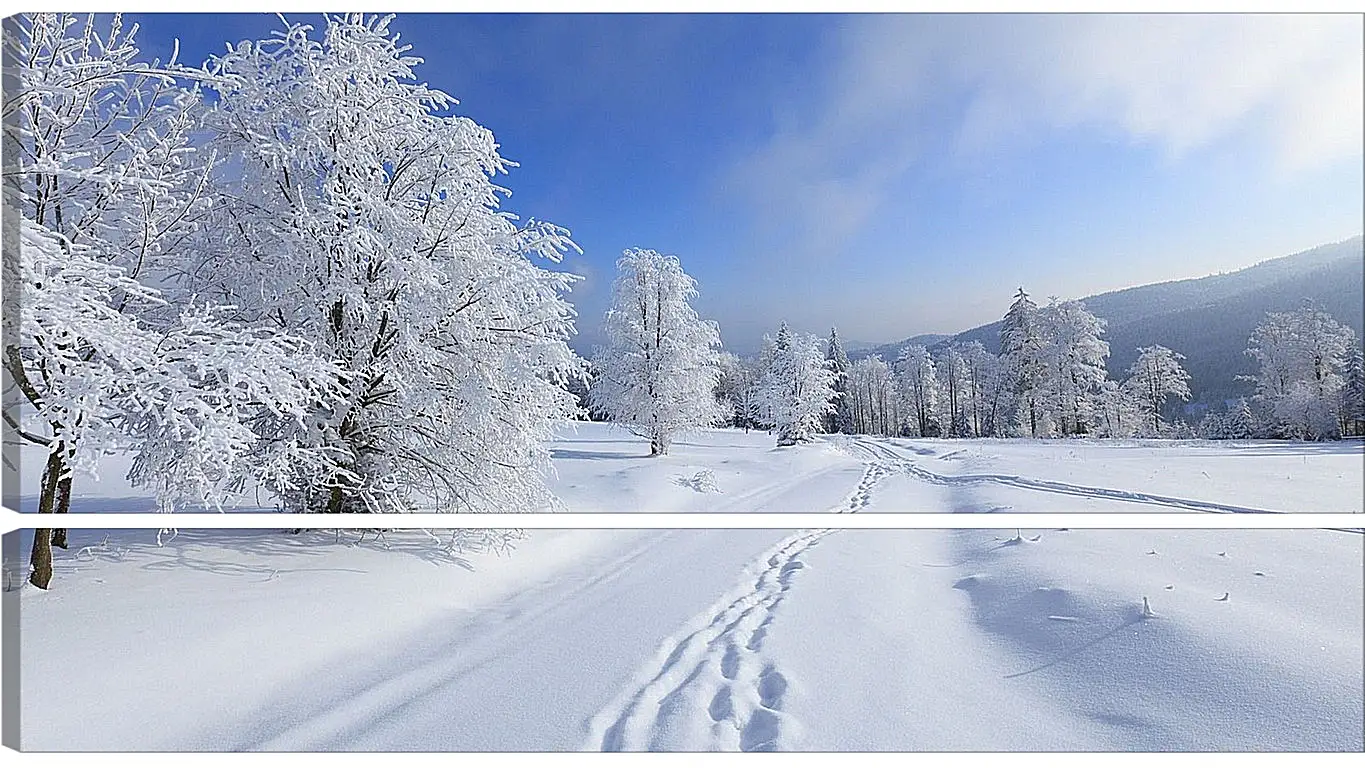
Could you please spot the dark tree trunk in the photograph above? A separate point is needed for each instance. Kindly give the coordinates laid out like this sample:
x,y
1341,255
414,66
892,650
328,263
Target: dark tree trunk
x,y
61,506
40,559
335,500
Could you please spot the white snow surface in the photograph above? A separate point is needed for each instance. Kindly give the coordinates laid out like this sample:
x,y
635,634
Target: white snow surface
x,y
604,468
735,639
699,639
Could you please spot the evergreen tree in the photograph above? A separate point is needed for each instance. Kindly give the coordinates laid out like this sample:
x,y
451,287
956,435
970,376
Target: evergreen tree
x,y
841,419
1241,422
1353,395
1213,426
798,386
1021,350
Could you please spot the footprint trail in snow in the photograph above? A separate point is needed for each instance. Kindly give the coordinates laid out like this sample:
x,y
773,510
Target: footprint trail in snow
x,y
715,688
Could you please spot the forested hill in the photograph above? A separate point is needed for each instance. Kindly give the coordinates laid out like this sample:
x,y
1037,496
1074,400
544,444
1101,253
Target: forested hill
x,y
1208,319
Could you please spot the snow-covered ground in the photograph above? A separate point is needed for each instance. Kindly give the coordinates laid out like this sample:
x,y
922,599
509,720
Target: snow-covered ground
x,y
604,468
700,639
601,468
735,639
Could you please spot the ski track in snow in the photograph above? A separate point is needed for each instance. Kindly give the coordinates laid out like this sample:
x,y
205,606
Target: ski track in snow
x,y
328,723
893,461
746,501
715,689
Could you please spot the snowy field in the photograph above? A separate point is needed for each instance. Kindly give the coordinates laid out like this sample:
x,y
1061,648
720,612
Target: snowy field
x,y
603,468
744,473
696,640
735,639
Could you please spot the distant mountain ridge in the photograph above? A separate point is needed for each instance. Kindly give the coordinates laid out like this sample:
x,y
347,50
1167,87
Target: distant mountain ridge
x,y
1207,319
924,340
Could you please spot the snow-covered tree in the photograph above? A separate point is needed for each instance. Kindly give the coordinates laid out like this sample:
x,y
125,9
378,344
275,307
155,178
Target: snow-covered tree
x,y
729,384
1155,377
1022,352
989,395
110,191
759,405
1118,414
736,390
956,384
1235,423
751,408
359,213
1241,423
1074,356
917,382
798,386
1353,394
840,420
873,397
580,387
660,366
1303,355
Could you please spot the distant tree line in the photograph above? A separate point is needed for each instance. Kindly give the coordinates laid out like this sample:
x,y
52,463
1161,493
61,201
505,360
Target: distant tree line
x,y
1049,380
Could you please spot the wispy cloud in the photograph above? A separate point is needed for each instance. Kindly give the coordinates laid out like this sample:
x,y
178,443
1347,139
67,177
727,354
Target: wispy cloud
x,y
908,89
1179,81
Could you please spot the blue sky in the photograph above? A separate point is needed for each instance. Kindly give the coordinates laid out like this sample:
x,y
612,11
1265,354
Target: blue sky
x,y
900,174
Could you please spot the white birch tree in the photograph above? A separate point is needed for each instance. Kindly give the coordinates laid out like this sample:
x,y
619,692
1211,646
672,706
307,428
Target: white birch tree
x,y
917,383
956,384
989,398
872,391
1118,413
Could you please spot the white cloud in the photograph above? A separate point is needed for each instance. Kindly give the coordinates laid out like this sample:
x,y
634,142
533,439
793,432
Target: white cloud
x,y
1180,81
904,88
